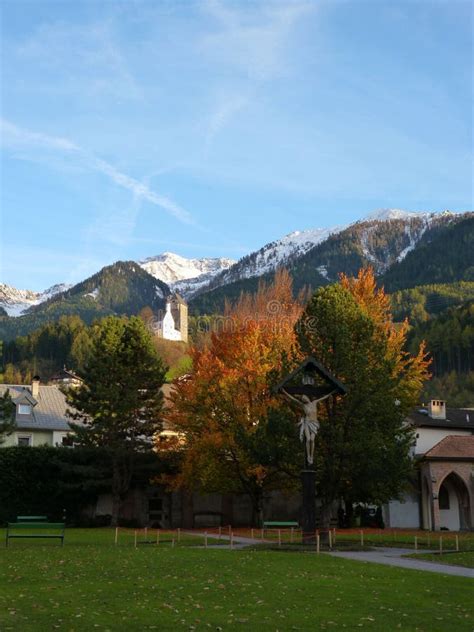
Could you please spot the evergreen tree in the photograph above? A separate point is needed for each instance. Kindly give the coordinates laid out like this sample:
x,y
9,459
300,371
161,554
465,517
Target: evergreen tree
x,y
120,401
7,415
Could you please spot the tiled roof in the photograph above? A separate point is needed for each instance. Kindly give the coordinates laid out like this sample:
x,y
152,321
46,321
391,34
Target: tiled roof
x,y
48,414
455,418
453,447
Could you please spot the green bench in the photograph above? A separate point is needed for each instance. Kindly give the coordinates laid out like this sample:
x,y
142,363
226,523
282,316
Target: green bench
x,y
280,525
32,519
14,527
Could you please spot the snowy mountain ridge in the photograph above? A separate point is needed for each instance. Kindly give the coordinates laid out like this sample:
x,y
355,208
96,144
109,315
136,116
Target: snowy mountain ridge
x,y
15,301
193,276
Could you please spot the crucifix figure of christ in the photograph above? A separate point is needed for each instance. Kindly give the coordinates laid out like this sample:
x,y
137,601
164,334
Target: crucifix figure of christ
x,y
308,424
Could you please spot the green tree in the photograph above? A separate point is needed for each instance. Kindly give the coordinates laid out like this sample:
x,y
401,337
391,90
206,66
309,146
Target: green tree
x,y
119,403
363,445
7,415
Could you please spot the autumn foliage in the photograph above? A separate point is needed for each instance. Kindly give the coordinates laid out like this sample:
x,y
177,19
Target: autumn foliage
x,y
221,408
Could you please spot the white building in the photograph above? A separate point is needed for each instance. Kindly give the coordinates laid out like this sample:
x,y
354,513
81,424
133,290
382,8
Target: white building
x,y
174,323
442,495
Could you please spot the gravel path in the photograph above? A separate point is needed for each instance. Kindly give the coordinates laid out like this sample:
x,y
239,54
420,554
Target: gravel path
x,y
393,557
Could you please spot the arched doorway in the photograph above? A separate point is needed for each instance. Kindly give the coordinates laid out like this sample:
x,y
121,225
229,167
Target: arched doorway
x,y
453,499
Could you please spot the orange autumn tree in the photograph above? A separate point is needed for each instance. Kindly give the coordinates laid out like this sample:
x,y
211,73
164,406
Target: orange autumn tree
x,y
236,435
363,445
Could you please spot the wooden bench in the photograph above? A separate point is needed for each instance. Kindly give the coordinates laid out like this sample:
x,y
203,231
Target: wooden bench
x,y
31,525
280,525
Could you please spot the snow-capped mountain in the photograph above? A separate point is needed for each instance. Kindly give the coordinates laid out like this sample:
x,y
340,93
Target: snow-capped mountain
x,y
15,302
275,254
382,239
185,275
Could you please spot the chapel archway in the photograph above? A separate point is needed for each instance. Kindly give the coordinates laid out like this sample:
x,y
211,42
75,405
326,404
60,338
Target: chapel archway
x,y
454,504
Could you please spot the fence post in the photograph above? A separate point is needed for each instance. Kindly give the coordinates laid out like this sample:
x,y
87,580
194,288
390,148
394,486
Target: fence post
x,y
291,534
251,533
135,538
116,535
220,533
157,536
179,535
361,537
261,535
330,538
231,540
457,542
146,533
230,529
416,543
440,543
205,539
317,543
334,535
279,537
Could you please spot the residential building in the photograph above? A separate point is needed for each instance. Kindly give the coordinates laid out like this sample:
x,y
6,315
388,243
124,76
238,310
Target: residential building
x,y
40,415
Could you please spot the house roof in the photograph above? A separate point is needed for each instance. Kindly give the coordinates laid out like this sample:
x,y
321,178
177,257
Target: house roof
x,y
455,418
49,412
453,447
64,374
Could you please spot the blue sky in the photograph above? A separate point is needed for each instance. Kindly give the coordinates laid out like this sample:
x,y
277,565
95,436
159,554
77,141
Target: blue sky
x,y
211,128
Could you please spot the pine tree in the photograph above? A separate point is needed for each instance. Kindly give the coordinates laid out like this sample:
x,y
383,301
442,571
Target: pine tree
x,y
7,415
119,403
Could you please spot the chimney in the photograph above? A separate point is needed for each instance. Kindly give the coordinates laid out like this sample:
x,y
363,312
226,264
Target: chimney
x,y
35,385
437,409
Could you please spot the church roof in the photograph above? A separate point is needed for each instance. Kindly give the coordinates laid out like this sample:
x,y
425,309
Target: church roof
x,y
454,447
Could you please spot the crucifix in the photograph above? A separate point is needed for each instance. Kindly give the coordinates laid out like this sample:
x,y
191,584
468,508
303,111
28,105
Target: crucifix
x,y
300,387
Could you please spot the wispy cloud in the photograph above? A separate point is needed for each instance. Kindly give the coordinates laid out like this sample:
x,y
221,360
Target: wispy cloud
x,y
248,42
252,37
15,137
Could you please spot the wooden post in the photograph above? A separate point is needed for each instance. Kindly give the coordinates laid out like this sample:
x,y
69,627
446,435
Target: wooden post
x,y
231,540
457,542
361,537
291,534
146,533
251,533
261,535
440,543
135,538
230,529
279,537
116,535
334,535
179,535
205,539
157,536
317,543
220,533
416,543
330,538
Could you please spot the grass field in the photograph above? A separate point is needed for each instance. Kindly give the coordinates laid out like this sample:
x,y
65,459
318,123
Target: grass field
x,y
464,558
90,584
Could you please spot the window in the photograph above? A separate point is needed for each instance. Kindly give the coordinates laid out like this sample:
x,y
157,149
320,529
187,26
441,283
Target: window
x,y
24,409
24,440
443,497
67,441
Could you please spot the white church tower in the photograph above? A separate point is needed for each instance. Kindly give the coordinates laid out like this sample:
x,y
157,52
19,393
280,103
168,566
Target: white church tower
x,y
174,324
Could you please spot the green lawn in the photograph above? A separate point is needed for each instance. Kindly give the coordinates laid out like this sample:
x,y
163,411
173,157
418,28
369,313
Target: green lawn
x,y
91,584
464,558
